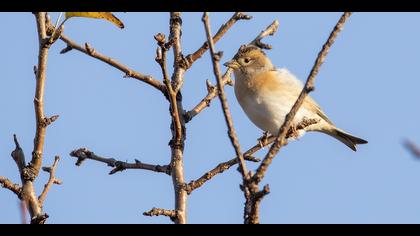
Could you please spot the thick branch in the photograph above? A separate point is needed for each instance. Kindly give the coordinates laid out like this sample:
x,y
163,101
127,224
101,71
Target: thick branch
x,y
83,153
30,173
41,127
228,118
7,184
220,33
52,180
178,122
88,50
180,63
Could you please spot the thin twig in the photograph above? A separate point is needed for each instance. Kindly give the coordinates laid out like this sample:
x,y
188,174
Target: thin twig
x,y
220,168
52,180
172,214
220,33
83,153
88,50
270,30
212,92
215,57
264,141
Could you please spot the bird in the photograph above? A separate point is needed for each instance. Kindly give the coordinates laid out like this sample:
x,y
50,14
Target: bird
x,y
266,95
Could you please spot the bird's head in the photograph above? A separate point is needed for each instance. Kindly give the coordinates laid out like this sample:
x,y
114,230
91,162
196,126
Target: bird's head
x,y
249,60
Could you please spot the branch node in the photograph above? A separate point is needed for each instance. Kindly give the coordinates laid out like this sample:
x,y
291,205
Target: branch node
x,y
242,16
48,120
39,220
89,49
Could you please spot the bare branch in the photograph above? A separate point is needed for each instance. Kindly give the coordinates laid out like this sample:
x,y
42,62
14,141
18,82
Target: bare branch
x,y
270,30
220,33
251,212
88,50
220,168
172,214
212,92
30,172
7,184
309,86
52,180
178,122
228,118
180,63
83,153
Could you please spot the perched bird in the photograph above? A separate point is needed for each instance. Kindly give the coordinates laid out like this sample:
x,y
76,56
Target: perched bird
x,y
267,94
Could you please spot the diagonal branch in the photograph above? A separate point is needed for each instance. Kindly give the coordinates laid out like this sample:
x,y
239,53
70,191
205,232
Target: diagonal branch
x,y
212,92
269,31
7,184
309,86
264,141
252,216
220,33
228,118
52,180
83,153
88,50
220,168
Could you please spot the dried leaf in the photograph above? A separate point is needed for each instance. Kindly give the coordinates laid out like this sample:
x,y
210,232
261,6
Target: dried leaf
x,y
99,15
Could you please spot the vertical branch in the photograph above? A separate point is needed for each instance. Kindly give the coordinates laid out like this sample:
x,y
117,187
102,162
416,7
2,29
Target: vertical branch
x,y
39,139
32,170
178,122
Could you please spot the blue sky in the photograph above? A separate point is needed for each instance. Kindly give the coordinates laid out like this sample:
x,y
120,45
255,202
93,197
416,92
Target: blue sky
x,y
368,86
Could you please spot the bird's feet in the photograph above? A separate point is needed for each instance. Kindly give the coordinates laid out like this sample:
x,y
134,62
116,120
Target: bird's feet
x,y
263,140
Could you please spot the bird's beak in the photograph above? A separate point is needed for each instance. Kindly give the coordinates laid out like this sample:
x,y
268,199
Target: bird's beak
x,y
232,64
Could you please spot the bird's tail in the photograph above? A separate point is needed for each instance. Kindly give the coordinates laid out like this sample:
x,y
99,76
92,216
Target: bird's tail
x,y
346,138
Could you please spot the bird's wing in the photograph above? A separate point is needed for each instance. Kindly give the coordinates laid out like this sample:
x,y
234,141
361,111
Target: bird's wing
x,y
310,104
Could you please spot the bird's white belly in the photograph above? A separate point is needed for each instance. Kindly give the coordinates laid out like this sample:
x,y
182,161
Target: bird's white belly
x,y
268,111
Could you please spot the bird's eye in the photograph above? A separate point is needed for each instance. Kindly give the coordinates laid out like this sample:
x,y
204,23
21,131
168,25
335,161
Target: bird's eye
x,y
247,60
